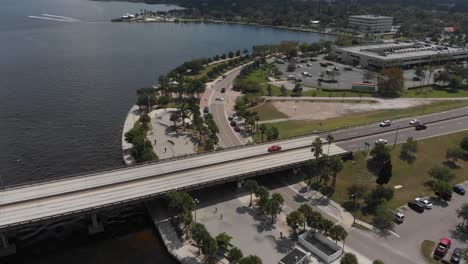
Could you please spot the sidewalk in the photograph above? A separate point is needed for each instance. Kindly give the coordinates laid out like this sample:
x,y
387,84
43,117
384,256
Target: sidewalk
x,y
132,116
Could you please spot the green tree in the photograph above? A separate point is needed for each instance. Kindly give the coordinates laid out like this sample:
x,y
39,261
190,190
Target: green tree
x,y
325,226
455,81
269,90
283,90
199,234
251,186
462,213
385,173
349,258
338,233
274,205
294,219
223,240
180,201
378,196
209,247
383,218
464,143
330,138
378,261
380,155
441,173
314,220
317,147
234,255
251,259
456,153
144,118
439,186
272,133
263,196
408,150
391,82
263,128
306,212
336,165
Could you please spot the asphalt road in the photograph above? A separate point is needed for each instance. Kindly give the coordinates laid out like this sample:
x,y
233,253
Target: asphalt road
x,y
227,136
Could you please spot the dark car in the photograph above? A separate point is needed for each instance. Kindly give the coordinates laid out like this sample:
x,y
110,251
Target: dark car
x,y
298,80
206,110
444,195
237,128
459,189
417,206
233,123
223,90
456,256
274,148
420,127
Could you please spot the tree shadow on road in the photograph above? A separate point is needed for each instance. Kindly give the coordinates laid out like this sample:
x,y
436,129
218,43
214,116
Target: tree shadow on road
x,y
284,245
459,233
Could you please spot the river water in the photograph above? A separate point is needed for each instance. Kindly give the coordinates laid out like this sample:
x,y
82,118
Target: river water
x,y
68,77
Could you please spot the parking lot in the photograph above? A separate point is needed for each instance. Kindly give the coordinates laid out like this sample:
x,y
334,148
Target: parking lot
x,y
344,78
434,224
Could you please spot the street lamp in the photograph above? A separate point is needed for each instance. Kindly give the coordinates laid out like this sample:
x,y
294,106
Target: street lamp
x,y
196,203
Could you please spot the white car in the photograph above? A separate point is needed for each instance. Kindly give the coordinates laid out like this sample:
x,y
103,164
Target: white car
x,y
300,66
219,99
309,64
426,202
415,122
381,141
386,123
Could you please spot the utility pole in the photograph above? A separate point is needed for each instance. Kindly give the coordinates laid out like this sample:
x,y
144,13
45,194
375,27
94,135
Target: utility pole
x,y
196,203
396,136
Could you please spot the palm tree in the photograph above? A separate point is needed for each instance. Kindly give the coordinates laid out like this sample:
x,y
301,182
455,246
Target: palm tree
x,y
263,196
294,219
274,204
313,220
336,165
340,233
306,211
317,147
330,138
174,118
262,129
325,226
251,186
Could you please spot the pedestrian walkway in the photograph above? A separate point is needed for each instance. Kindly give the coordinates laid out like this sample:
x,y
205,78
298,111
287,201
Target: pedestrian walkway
x,y
132,116
167,142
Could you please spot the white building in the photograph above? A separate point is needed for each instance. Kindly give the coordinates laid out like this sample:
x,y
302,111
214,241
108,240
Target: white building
x,y
405,55
370,23
320,246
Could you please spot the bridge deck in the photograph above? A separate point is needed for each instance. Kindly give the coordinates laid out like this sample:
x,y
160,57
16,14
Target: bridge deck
x,y
66,196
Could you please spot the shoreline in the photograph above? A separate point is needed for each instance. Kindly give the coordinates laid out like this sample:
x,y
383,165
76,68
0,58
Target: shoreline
x,y
202,21
129,122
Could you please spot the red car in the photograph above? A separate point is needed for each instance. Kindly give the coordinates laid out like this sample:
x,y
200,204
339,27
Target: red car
x,y
420,127
237,128
442,248
274,148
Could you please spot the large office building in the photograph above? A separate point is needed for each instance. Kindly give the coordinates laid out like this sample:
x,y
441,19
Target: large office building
x,y
405,55
370,23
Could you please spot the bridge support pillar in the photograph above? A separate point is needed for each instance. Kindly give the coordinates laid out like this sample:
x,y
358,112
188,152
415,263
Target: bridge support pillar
x,y
239,184
96,226
7,248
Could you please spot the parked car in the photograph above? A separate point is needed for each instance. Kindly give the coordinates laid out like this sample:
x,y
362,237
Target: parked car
x,y
456,256
291,77
399,216
313,59
385,123
427,204
219,99
237,128
206,110
442,248
223,90
414,122
417,206
274,148
300,66
459,189
347,69
233,123
309,64
420,126
381,141
444,195
231,117
298,80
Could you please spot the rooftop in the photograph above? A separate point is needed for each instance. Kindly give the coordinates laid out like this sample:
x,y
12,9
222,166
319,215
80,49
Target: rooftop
x,y
327,249
395,50
370,16
293,257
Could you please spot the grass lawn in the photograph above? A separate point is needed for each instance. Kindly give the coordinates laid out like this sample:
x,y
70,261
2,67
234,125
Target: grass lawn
x,y
330,93
431,152
267,111
435,92
295,128
427,248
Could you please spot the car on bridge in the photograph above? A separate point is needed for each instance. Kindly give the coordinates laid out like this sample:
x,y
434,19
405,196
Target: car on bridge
x,y
385,123
420,126
381,141
414,122
274,148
